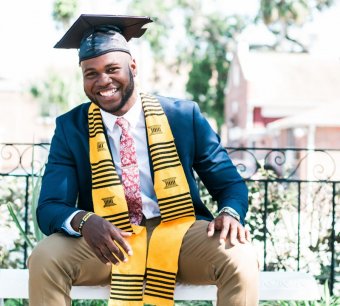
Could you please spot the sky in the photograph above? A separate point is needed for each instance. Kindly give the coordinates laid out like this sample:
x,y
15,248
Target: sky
x,y
28,33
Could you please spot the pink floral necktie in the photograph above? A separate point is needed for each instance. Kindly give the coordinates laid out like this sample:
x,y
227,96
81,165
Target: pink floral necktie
x,y
130,173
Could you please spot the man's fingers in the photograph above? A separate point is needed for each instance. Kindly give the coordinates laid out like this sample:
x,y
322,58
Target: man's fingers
x,y
211,228
118,237
106,240
115,250
242,234
100,256
224,233
108,254
247,234
126,234
233,234
229,227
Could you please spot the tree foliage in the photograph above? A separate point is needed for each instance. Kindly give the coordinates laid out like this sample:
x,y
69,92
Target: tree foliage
x,y
158,39
210,60
203,47
63,11
56,92
209,37
281,15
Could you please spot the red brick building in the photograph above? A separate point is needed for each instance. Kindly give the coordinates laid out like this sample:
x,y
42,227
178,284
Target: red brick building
x,y
272,98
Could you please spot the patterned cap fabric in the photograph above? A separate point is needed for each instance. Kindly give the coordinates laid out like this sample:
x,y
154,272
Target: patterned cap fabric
x,y
95,35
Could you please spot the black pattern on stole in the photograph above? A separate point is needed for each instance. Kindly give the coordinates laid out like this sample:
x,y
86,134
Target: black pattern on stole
x,y
160,283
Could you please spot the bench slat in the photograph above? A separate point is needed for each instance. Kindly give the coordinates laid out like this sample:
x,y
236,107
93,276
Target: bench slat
x,y
273,286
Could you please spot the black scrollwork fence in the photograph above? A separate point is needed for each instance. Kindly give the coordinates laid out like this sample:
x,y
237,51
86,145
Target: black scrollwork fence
x,y
293,208
293,203
298,206
19,162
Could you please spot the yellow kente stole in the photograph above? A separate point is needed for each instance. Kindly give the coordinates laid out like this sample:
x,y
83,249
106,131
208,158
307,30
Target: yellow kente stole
x,y
158,268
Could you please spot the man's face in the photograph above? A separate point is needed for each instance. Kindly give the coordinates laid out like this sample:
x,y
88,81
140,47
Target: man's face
x,y
108,81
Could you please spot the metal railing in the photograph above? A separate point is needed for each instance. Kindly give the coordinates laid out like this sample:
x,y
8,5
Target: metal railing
x,y
293,202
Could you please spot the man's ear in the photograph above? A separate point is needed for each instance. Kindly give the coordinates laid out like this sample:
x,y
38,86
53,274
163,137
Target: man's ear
x,y
133,67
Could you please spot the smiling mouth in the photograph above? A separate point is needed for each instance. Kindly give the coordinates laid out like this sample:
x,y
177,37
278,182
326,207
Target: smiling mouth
x,y
108,93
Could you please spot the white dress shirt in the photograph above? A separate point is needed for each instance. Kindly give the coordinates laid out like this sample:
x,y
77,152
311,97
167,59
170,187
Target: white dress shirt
x,y
136,120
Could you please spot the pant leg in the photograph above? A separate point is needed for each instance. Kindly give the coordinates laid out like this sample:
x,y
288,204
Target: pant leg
x,y
234,269
59,261
56,263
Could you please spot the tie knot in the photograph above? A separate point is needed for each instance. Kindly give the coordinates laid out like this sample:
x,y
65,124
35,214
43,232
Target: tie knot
x,y
123,123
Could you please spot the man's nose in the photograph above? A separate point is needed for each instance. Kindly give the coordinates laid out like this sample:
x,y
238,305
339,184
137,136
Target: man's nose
x,y
103,79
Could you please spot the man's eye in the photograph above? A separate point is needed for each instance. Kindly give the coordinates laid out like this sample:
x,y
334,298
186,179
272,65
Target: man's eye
x,y
91,74
111,70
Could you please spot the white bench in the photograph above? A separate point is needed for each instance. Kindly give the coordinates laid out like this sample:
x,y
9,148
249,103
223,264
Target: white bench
x,y
273,286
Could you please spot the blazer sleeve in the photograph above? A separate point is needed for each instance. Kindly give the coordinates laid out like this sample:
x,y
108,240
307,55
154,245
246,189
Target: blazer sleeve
x,y
59,188
216,170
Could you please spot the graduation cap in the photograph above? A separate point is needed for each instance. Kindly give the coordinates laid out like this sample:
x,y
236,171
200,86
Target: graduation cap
x,y
95,35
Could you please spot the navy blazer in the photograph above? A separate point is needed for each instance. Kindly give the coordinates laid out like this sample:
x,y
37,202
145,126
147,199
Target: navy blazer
x,y
66,184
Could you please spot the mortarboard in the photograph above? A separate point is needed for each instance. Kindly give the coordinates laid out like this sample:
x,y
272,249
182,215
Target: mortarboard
x,y
95,35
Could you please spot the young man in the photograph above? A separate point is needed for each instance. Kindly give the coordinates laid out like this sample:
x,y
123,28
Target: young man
x,y
119,200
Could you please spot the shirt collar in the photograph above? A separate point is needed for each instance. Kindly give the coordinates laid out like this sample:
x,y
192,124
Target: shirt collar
x,y
132,115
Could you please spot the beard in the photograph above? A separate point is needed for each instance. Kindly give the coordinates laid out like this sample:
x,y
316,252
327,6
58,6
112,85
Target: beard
x,y
126,95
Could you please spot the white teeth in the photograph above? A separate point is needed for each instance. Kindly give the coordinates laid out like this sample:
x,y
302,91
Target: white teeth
x,y
108,93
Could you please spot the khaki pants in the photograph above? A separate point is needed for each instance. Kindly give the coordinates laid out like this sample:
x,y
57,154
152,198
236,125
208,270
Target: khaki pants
x,y
58,262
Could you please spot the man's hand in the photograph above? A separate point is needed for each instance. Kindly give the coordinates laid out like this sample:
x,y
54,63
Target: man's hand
x,y
228,226
104,239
